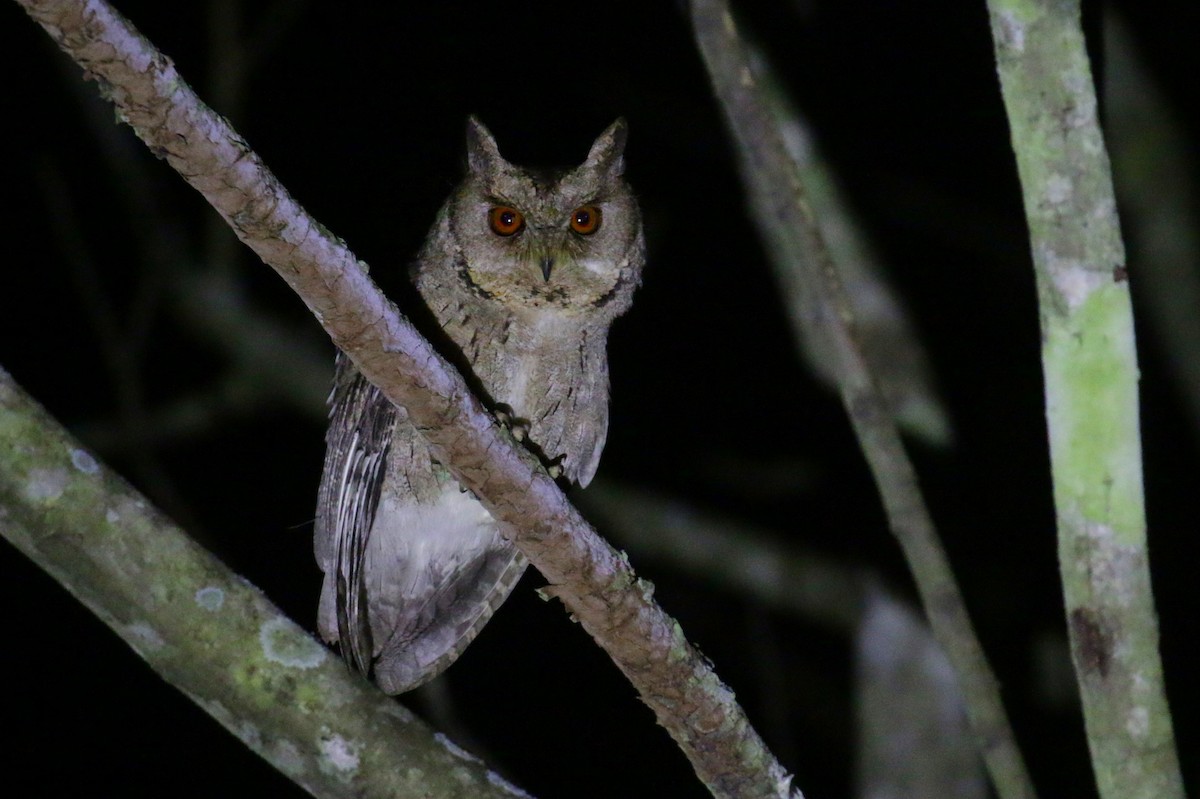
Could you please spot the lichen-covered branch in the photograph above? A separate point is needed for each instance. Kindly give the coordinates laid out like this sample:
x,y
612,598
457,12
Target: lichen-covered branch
x,y
1091,373
759,144
209,632
593,581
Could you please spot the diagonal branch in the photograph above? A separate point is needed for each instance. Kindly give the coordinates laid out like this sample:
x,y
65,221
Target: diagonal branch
x,y
594,581
761,147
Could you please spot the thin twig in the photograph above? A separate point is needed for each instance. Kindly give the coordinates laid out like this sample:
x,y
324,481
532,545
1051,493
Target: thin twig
x,y
124,363
594,582
889,340
1090,363
731,554
763,151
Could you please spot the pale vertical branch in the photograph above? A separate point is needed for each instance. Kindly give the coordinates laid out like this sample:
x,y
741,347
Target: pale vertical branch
x,y
1091,374
594,582
207,631
913,741
761,147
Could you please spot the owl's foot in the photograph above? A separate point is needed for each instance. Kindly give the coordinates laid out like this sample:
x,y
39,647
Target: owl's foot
x,y
555,467
509,421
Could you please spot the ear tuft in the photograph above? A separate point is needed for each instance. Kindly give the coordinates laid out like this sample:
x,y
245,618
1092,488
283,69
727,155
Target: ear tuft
x,y
483,156
608,151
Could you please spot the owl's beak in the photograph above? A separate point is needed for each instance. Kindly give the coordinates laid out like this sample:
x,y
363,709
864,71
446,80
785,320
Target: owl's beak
x,y
547,265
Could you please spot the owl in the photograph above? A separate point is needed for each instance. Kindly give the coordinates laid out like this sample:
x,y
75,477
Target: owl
x,y
523,273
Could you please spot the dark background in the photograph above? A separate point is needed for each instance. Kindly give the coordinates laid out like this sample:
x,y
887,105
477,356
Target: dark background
x,y
359,110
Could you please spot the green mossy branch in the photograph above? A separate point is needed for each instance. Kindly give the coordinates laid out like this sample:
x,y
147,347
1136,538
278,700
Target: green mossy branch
x,y
1091,375
209,632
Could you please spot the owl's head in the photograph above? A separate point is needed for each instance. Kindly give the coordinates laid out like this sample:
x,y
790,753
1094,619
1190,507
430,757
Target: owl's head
x,y
567,241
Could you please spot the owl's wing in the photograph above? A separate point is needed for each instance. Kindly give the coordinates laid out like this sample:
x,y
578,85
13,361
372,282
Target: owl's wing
x,y
414,566
440,569
360,434
436,563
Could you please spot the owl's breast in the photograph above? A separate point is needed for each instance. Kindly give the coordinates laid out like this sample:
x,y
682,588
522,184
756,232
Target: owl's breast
x,y
549,368
561,394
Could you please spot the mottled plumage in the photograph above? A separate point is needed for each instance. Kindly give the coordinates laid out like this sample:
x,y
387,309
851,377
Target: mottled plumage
x,y
524,271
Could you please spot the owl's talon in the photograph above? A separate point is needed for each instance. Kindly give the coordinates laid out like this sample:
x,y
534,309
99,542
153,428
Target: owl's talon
x,y
509,421
555,467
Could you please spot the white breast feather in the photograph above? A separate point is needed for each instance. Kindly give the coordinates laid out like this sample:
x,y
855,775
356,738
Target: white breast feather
x,y
410,538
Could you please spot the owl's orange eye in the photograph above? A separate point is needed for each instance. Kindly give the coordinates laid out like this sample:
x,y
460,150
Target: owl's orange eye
x,y
505,221
585,219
